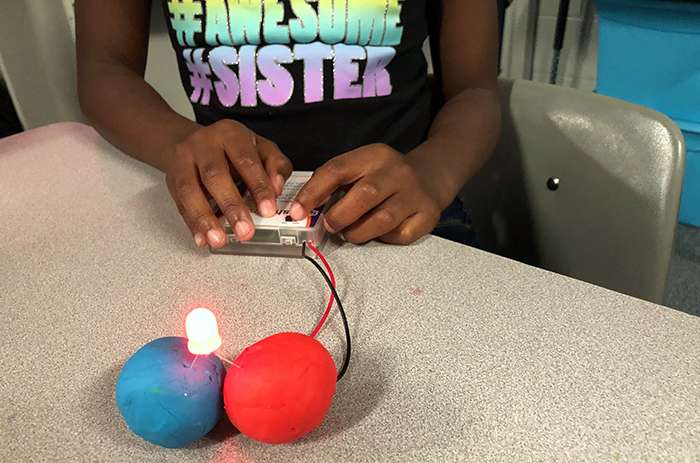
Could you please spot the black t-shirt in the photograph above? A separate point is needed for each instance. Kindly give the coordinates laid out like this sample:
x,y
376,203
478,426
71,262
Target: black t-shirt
x,y
317,77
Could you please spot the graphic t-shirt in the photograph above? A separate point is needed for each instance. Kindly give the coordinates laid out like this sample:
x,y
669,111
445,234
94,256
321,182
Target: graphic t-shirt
x,y
317,77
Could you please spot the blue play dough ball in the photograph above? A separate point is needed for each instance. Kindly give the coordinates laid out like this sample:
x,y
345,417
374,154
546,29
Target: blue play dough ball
x,y
164,399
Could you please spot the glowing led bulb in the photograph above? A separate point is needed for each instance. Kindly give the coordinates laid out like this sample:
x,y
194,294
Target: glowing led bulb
x,y
202,332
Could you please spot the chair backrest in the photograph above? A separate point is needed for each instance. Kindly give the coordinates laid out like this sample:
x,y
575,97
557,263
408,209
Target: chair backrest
x,y
161,69
583,185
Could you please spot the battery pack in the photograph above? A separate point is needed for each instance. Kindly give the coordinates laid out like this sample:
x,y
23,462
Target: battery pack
x,y
278,235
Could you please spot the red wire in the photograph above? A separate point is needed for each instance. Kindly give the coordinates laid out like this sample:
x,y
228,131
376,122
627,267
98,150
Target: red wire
x,y
330,303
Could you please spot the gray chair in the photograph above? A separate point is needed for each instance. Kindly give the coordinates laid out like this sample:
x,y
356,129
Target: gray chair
x,y
583,185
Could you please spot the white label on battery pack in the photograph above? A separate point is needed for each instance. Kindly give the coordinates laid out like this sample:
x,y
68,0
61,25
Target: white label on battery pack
x,y
284,202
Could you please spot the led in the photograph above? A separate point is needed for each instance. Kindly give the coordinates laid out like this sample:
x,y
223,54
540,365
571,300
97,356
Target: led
x,y
202,332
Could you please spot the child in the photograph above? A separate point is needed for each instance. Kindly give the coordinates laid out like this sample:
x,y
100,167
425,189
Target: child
x,y
334,86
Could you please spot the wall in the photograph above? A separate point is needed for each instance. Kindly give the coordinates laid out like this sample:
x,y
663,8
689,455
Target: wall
x,y
529,36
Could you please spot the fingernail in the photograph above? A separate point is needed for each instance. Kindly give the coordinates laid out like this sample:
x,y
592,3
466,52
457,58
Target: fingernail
x,y
342,237
200,240
215,237
266,208
242,228
296,211
328,227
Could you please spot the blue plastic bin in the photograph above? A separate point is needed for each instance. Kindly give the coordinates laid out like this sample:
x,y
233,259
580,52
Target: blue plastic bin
x,y
649,54
690,201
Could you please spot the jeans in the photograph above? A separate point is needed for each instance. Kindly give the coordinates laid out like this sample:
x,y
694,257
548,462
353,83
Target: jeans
x,y
456,225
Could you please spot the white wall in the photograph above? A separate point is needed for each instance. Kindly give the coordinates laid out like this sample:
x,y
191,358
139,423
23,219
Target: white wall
x,y
529,36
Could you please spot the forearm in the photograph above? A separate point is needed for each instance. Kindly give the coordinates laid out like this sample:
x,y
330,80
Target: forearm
x,y
460,141
130,114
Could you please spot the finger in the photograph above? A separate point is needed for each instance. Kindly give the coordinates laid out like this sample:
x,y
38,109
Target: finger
x,y
277,165
412,228
241,150
194,208
380,221
368,193
216,177
339,171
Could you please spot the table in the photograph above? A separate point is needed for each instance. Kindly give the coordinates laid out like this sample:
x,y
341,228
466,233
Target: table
x,y
459,355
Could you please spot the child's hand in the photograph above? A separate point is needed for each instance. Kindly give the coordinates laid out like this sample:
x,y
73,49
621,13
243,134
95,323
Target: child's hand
x,y
388,197
205,165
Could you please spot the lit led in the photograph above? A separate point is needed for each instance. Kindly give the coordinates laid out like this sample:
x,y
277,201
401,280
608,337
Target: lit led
x,y
202,332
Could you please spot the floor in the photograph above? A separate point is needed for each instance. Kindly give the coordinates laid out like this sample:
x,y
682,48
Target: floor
x,y
683,285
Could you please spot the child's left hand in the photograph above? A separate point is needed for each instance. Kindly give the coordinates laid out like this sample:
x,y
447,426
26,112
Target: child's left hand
x,y
389,197
398,198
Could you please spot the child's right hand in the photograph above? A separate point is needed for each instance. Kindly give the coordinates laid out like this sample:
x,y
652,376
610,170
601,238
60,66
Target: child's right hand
x,y
205,165
200,162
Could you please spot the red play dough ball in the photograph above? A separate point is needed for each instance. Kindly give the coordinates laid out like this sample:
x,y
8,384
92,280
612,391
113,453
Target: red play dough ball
x,y
279,389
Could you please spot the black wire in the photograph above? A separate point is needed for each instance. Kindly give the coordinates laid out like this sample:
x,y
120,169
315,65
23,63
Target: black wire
x,y
340,308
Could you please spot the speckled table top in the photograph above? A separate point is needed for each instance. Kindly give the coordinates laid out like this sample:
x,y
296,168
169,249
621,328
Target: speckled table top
x,y
459,355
